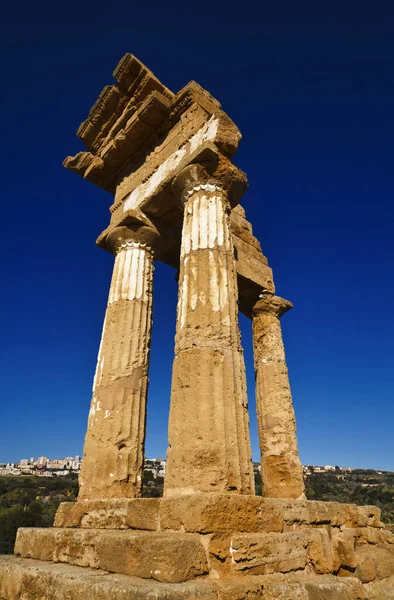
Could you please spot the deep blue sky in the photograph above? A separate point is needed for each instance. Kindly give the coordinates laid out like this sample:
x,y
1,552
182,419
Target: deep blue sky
x,y
313,95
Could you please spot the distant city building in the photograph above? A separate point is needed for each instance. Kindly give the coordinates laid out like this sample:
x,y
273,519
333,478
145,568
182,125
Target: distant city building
x,y
45,467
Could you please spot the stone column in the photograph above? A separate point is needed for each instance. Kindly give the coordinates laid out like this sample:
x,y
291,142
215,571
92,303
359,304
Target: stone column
x,y
209,445
281,468
114,446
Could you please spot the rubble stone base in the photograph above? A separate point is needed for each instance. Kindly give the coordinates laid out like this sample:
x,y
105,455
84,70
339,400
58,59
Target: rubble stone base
x,y
211,546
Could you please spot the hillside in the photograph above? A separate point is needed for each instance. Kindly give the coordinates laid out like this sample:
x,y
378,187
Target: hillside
x,y
358,487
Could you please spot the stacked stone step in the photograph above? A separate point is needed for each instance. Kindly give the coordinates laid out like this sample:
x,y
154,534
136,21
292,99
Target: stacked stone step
x,y
65,582
219,536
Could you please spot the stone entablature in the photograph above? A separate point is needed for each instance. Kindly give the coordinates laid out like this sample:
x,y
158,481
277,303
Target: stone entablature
x,y
139,136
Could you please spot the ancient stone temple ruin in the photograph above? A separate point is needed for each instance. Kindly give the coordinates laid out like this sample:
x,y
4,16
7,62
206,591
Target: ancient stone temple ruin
x,y
167,159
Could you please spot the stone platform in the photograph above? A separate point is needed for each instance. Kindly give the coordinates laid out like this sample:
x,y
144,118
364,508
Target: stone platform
x,y
25,579
208,546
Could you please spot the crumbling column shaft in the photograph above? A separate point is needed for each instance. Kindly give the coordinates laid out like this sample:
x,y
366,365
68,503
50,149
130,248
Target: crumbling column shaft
x,y
114,446
209,446
281,469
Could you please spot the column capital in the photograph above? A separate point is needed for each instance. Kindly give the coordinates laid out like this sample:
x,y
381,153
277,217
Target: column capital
x,y
271,304
192,179
211,187
124,244
225,179
135,229
122,238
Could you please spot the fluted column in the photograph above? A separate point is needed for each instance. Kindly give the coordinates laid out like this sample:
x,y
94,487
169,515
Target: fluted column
x,y
281,468
209,445
114,446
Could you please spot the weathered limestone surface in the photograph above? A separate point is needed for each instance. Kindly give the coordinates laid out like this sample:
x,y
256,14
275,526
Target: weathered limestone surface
x,y
281,469
372,535
158,556
334,588
229,513
343,549
220,513
27,579
319,550
24,579
254,274
339,514
114,445
382,589
292,587
376,562
135,513
208,396
264,553
124,118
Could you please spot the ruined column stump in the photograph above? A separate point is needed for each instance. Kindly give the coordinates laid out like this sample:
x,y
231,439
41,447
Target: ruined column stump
x,y
281,469
209,446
